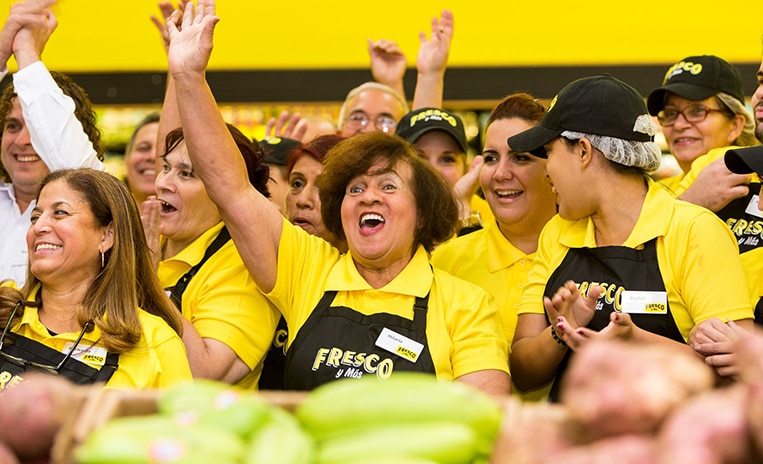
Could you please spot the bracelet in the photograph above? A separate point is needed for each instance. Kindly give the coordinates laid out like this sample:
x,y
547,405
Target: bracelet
x,y
559,341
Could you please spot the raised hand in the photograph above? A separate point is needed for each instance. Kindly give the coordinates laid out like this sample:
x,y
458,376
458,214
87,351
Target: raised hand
x,y
37,22
570,304
167,8
388,63
191,44
433,53
286,126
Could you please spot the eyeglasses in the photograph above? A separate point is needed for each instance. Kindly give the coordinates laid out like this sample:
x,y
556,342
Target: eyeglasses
x,y
382,122
692,114
21,362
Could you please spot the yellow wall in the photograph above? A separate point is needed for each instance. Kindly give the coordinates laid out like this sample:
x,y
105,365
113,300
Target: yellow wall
x,y
109,35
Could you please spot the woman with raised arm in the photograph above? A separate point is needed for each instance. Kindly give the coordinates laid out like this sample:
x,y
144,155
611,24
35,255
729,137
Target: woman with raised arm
x,y
380,308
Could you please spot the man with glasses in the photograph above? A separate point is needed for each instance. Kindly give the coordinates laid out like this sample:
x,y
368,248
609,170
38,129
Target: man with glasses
x,y
371,107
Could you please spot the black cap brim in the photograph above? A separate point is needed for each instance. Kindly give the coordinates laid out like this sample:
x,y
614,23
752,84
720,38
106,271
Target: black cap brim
x,y
656,100
414,136
532,140
745,160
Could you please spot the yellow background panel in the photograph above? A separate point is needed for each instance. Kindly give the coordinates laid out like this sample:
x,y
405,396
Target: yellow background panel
x,y
108,35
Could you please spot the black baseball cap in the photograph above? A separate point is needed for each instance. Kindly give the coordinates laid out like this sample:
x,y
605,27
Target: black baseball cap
x,y
599,105
278,149
745,160
418,122
697,78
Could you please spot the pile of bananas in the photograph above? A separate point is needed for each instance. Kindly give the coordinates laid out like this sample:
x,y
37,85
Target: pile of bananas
x,y
407,419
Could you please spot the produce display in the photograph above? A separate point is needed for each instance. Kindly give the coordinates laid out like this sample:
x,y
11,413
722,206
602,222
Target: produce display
x,y
410,418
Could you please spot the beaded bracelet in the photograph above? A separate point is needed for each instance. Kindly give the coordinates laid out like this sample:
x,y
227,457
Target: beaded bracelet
x,y
559,341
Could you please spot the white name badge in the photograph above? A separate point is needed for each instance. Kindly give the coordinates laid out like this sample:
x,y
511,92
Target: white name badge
x,y
636,302
752,207
400,345
93,355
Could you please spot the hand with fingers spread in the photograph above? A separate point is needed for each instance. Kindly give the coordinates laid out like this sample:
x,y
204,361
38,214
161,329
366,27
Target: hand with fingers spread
x,y
388,63
191,44
286,126
620,327
570,304
433,52
167,8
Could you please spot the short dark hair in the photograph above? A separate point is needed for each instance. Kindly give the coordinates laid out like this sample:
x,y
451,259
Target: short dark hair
x,y
436,205
518,105
250,150
316,148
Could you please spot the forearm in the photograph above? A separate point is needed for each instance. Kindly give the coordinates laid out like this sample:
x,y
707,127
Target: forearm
x,y
57,135
211,359
429,90
169,119
534,360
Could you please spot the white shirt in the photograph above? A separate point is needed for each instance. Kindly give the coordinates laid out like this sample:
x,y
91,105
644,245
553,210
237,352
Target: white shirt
x,y
59,140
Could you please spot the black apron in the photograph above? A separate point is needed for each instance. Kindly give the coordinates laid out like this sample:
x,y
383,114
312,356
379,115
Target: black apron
x,y
625,269
274,367
747,228
339,342
36,352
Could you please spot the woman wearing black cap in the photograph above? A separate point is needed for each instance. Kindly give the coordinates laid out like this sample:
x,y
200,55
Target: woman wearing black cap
x,y
701,107
622,259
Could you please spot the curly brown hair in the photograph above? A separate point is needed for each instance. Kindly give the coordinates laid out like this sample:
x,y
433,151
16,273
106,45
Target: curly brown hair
x,y
83,111
436,205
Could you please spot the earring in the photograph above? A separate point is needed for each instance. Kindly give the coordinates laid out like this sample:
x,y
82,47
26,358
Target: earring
x,y
103,261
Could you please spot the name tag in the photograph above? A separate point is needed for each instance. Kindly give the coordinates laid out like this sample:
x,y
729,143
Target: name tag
x,y
636,302
399,344
93,355
752,207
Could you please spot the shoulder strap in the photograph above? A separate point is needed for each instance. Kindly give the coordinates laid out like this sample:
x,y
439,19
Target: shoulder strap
x,y
176,291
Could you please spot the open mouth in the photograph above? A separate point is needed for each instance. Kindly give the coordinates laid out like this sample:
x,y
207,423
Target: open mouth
x,y
371,221
167,208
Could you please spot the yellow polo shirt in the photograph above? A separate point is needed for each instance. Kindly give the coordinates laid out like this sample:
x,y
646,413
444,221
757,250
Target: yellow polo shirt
x,y
464,330
696,253
486,258
223,303
158,361
752,261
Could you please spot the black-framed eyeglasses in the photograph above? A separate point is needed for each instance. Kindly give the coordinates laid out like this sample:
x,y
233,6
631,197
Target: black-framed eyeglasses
x,y
692,114
382,122
21,362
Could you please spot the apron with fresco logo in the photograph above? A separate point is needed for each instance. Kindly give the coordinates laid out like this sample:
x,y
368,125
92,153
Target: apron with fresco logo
x,y
615,269
338,342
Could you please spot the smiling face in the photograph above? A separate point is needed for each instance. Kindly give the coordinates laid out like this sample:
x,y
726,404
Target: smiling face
x,y
379,217
19,158
565,172
689,140
140,162
514,183
443,152
64,240
187,211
